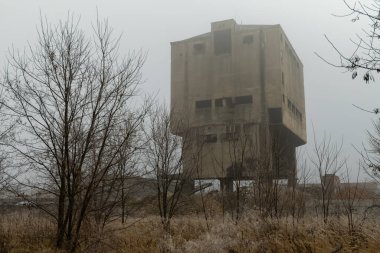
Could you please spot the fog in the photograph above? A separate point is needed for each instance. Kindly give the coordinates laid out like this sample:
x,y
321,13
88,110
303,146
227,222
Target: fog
x,y
150,26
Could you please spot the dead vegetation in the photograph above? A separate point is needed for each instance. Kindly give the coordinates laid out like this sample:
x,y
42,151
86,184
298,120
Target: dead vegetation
x,y
30,231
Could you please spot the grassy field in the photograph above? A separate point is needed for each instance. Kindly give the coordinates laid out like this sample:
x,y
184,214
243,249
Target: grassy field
x,y
28,232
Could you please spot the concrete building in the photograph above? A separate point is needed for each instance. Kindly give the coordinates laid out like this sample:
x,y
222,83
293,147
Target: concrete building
x,y
235,88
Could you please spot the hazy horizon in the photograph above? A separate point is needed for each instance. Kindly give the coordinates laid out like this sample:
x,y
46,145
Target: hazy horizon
x,y
150,26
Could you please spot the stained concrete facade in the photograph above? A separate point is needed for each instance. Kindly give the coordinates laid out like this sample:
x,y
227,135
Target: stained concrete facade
x,y
238,86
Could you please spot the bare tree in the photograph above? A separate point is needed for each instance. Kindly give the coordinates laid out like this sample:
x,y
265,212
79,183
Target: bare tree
x,y
298,198
130,160
230,161
71,92
371,153
165,156
350,195
326,159
370,157
110,199
270,164
6,133
238,145
262,159
365,55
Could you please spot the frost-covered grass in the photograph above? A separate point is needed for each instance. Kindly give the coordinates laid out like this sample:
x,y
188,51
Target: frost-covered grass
x,y
190,233
253,234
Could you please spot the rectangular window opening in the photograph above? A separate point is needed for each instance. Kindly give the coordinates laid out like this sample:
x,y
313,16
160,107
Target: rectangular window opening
x,y
228,136
203,104
234,128
248,39
243,100
219,102
223,102
275,115
211,138
222,42
227,102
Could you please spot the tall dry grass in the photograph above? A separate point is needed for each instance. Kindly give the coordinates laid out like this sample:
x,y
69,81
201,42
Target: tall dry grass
x,y
24,231
30,232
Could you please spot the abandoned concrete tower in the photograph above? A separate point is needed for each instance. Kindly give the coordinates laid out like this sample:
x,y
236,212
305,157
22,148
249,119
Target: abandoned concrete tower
x,y
239,90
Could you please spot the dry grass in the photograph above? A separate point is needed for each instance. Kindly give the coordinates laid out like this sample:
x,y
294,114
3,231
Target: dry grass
x,y
26,232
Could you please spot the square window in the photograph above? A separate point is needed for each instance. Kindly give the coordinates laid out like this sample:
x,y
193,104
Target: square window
x,y
219,102
248,39
275,115
199,48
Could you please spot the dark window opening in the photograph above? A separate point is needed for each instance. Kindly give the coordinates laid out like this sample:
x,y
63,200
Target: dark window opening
x,y
283,99
219,102
203,104
275,115
222,42
232,132
211,138
294,110
233,129
227,102
299,115
199,48
243,100
223,102
229,136
248,39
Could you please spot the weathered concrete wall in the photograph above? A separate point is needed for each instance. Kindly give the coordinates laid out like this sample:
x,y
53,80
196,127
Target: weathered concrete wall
x,y
237,79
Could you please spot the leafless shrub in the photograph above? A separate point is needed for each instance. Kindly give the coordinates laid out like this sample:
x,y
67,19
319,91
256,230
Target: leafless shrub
x,y
326,159
164,154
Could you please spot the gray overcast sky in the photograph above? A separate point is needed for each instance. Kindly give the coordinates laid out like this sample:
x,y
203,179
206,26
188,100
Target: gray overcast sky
x,y
152,25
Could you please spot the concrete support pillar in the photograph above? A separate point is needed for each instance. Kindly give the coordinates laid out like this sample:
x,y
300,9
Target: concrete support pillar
x,y
188,186
226,184
292,168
